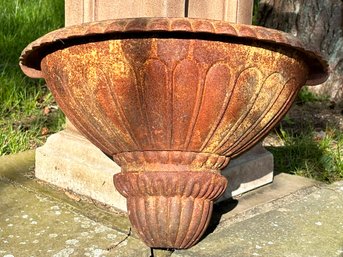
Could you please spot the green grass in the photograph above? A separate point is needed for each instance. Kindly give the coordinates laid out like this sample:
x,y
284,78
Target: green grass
x,y
310,154
310,142
23,124
306,96
303,152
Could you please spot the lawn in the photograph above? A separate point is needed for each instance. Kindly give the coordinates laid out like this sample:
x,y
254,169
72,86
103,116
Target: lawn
x,y
309,140
28,113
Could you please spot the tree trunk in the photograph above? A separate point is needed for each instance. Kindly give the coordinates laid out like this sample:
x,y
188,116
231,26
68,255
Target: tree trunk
x,y
316,22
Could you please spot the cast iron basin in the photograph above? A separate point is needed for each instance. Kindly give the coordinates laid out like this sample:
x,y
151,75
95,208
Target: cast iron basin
x,y
172,100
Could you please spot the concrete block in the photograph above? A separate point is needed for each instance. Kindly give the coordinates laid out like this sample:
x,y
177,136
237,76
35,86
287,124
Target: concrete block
x,y
249,171
70,161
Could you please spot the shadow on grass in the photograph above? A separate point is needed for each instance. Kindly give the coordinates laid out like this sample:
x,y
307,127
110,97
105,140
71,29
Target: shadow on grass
x,y
310,139
310,154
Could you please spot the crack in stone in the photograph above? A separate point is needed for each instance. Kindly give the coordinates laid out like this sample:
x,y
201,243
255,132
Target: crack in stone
x,y
112,247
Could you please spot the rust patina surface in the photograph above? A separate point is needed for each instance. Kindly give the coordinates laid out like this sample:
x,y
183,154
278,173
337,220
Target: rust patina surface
x,y
172,100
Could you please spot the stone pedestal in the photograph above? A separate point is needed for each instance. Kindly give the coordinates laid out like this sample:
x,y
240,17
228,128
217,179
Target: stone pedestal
x,y
80,11
70,161
236,11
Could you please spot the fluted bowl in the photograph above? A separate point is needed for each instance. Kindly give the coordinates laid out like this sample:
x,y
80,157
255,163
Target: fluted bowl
x,y
172,100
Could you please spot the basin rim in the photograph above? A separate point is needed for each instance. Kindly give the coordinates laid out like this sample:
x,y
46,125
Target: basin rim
x,y
65,37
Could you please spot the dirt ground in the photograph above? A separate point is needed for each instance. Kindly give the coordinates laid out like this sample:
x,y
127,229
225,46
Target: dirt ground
x,y
317,116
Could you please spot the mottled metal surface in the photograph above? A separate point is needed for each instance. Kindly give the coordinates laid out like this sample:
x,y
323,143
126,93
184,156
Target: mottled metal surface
x,y
172,108
190,95
170,161
34,52
170,209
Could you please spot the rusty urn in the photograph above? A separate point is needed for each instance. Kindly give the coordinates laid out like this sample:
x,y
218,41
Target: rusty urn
x,y
172,100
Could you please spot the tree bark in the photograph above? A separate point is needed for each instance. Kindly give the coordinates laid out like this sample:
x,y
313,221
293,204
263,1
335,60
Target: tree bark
x,y
316,22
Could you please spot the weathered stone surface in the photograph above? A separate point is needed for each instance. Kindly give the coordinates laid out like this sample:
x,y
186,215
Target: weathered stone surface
x,y
10,164
309,226
284,189
33,224
229,10
81,11
70,161
294,217
249,171
315,22
287,218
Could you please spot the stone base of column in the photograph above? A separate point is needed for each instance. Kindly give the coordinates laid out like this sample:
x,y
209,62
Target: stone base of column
x,y
70,161
249,171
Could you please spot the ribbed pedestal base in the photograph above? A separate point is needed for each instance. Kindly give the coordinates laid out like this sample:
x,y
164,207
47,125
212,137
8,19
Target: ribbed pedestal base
x,y
170,209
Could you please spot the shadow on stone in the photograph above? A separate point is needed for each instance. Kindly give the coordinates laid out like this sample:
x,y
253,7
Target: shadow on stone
x,y
159,252
219,209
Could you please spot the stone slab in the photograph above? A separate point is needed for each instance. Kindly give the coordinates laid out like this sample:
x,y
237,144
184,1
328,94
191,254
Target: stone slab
x,y
69,161
33,224
285,188
311,225
293,217
10,165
